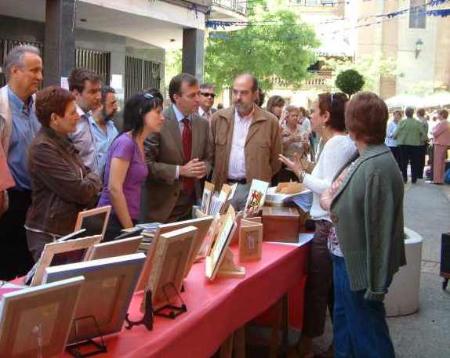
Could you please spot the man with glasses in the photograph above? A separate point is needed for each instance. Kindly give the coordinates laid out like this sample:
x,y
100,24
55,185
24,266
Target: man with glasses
x,y
207,95
178,156
245,141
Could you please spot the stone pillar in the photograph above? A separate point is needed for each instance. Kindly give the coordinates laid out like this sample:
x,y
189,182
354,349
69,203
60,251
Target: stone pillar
x,y
193,52
59,46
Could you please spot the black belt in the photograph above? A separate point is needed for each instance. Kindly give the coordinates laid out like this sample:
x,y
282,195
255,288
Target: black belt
x,y
242,181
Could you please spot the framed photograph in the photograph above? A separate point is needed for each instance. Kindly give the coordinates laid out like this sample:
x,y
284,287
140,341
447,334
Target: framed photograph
x,y
61,253
169,265
35,321
114,248
93,220
105,296
206,197
250,241
256,197
218,250
202,224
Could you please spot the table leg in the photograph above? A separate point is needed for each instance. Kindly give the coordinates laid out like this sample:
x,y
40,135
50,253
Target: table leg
x,y
239,342
226,350
285,323
274,339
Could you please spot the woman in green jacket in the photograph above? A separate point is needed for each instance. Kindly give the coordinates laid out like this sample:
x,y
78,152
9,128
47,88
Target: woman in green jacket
x,y
366,207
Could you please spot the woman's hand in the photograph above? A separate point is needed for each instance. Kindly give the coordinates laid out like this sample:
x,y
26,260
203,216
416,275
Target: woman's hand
x,y
293,165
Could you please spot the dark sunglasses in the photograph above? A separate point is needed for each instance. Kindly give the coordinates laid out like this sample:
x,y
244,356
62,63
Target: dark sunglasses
x,y
212,95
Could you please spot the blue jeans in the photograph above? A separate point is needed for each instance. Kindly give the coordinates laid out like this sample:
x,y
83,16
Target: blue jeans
x,y
359,325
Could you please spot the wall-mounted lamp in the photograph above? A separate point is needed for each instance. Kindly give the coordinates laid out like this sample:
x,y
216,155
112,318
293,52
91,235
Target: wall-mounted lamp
x,y
419,47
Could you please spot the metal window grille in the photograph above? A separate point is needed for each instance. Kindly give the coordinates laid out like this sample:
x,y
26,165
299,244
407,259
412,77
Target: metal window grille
x,y
8,45
141,74
96,61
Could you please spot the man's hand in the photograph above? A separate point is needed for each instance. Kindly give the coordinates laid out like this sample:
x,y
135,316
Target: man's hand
x,y
193,169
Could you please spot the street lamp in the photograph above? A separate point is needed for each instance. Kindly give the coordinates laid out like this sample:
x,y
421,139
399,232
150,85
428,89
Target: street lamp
x,y
419,47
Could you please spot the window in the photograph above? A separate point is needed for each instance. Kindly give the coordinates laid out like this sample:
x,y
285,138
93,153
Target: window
x,y
417,14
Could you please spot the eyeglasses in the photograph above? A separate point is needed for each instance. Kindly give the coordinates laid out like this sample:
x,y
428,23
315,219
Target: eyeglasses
x,y
205,94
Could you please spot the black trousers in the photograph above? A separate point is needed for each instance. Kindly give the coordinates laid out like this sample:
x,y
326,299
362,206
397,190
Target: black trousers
x,y
422,155
396,153
15,258
410,154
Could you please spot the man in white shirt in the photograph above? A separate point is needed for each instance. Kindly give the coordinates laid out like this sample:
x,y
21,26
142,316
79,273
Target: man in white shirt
x,y
390,141
245,140
207,95
85,85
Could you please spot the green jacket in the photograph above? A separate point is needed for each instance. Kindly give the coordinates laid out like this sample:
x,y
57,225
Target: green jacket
x,y
367,212
410,131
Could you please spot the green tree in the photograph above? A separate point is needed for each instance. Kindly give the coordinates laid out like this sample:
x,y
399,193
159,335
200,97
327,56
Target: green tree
x,y
274,46
349,81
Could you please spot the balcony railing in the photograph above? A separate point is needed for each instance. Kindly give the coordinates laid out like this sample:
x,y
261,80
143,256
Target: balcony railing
x,y
239,6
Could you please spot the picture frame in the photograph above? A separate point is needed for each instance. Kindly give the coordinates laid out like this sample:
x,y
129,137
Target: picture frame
x,y
94,220
256,197
250,241
63,252
201,223
105,296
208,191
169,265
114,248
35,322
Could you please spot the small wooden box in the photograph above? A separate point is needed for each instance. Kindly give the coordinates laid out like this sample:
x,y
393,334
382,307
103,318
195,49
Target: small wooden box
x,y
281,223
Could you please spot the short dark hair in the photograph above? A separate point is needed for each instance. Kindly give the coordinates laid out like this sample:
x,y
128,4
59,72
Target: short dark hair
x,y
409,112
79,76
177,81
303,111
275,101
207,86
137,107
261,97
52,99
444,113
334,104
105,90
366,117
421,112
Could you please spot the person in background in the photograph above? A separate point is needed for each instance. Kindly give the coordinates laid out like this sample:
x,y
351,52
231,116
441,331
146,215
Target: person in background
x,y
366,205
304,122
295,142
85,85
103,127
178,156
390,140
126,168
62,185
245,142
328,121
18,126
207,95
410,135
275,106
260,98
421,116
441,140
219,106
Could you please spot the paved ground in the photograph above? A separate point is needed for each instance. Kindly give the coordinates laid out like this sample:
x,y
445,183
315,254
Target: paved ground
x,y
427,332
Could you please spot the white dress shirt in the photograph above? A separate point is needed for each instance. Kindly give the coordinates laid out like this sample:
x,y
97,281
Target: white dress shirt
x,y
236,165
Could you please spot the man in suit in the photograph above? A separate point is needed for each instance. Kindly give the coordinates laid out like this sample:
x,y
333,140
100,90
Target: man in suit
x,y
245,141
178,156
207,95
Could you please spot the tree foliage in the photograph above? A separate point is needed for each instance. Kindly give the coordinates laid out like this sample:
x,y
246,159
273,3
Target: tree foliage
x,y
350,81
275,45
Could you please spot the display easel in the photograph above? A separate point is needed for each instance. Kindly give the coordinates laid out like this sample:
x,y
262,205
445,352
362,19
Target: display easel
x,y
97,348
227,267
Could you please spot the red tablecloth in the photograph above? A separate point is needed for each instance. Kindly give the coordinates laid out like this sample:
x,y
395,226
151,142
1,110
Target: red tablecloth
x,y
215,309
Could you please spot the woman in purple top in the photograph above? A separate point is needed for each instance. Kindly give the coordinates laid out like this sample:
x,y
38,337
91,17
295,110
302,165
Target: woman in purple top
x,y
126,168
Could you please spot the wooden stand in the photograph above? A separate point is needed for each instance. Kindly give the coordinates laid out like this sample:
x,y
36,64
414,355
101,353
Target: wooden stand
x,y
227,267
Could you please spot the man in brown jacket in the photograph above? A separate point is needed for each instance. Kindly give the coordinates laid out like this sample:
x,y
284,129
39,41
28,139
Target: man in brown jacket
x,y
245,141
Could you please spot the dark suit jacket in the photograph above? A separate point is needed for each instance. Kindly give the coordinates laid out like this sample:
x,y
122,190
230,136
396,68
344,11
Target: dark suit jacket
x,y
164,151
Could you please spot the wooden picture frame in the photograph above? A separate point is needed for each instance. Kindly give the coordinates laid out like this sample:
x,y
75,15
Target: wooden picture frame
x,y
169,265
36,321
202,224
79,246
106,293
94,220
250,241
220,259
114,248
256,197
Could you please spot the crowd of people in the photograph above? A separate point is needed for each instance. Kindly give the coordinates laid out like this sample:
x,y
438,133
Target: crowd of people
x,y
61,153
